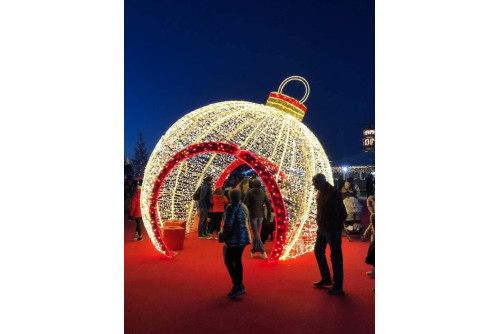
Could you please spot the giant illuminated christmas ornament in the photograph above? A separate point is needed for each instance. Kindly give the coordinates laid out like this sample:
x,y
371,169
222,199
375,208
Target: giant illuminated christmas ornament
x,y
216,139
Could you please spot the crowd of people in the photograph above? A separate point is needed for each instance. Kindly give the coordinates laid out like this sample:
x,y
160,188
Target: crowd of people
x,y
240,214
249,206
338,210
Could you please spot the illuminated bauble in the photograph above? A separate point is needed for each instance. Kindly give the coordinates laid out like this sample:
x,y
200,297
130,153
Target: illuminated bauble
x,y
215,139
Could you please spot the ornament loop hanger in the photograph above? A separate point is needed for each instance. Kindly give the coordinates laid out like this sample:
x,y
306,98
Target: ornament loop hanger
x,y
296,78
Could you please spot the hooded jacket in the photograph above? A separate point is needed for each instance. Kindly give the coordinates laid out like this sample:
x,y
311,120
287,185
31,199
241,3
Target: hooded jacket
x,y
255,200
219,201
236,231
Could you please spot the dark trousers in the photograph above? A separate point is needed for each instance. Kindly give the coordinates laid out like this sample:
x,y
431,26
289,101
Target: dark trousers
x,y
138,226
266,230
232,260
215,219
334,239
202,222
370,256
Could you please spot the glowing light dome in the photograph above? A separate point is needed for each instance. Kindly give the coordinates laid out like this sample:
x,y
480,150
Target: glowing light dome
x,y
217,138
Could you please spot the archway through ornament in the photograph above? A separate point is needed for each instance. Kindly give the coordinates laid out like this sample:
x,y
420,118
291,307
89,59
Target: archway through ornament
x,y
237,163
258,164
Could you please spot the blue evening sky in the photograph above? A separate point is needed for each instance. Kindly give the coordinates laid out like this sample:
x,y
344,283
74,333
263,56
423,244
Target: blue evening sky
x,y
183,55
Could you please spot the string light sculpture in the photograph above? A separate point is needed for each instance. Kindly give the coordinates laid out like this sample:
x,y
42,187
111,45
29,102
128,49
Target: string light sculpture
x,y
216,139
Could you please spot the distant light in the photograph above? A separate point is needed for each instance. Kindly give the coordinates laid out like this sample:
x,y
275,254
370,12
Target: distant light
x,y
344,169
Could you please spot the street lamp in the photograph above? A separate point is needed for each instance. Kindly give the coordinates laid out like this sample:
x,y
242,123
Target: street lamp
x,y
344,170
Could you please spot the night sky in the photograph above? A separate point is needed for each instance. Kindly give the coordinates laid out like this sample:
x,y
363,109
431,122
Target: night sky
x,y
183,55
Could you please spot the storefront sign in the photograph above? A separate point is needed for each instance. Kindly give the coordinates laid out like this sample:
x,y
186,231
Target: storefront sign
x,y
368,139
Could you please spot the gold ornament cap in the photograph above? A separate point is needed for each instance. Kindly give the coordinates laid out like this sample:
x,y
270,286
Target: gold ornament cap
x,y
286,103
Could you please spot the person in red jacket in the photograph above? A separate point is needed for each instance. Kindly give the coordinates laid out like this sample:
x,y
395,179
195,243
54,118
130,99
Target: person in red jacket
x,y
135,211
219,201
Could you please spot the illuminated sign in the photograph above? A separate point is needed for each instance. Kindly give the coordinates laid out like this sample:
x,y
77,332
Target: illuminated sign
x,y
368,139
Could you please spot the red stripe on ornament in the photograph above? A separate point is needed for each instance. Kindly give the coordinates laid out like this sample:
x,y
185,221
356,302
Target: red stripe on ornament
x,y
289,99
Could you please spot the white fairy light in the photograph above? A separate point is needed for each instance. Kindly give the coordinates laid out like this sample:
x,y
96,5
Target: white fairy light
x,y
275,134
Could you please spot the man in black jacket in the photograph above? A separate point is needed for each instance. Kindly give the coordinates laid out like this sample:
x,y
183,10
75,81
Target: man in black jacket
x,y
204,206
330,216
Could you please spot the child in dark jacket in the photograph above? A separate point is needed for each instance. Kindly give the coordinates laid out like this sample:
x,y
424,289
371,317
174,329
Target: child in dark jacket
x,y
236,235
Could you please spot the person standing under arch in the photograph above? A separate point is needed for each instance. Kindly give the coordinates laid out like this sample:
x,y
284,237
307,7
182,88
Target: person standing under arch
x,y
255,200
204,204
219,202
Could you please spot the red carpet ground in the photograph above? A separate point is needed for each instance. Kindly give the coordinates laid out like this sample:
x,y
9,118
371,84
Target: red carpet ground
x,y
188,294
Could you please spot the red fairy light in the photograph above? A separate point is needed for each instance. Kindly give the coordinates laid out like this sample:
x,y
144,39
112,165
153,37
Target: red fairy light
x,y
249,158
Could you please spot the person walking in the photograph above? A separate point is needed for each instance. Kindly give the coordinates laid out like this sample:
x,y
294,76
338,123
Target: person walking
x,y
236,234
204,206
330,215
135,211
255,200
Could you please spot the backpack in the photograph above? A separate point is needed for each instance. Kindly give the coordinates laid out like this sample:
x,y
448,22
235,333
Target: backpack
x,y
196,195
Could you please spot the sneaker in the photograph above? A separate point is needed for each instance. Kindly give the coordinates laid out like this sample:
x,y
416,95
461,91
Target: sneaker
x,y
209,237
263,256
233,290
335,291
238,292
371,273
252,255
140,238
322,283
136,235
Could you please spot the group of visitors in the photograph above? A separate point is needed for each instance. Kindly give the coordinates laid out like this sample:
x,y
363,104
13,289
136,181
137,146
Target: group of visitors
x,y
243,208
243,218
262,205
331,215
211,207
